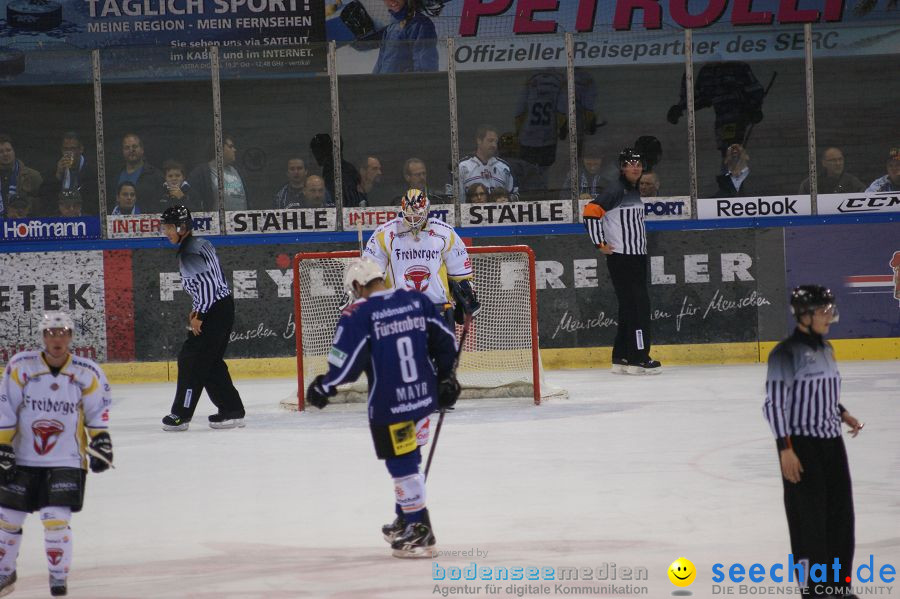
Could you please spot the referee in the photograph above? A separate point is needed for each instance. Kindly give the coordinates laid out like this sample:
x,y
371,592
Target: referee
x,y
201,361
802,406
615,222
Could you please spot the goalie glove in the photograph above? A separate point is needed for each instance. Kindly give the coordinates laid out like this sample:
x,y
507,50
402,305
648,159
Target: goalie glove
x,y
316,394
448,391
101,444
7,463
466,302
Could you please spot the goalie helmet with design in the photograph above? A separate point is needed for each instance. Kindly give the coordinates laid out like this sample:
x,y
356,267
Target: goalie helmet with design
x,y
362,272
55,320
414,209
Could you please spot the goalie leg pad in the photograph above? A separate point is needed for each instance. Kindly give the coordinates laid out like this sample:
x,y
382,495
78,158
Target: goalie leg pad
x,y
57,540
10,538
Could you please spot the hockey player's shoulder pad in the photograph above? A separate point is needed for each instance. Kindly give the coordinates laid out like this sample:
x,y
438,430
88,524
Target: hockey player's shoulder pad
x,y
353,307
440,226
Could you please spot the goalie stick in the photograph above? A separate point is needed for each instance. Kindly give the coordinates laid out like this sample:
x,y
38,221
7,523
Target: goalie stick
x,y
437,431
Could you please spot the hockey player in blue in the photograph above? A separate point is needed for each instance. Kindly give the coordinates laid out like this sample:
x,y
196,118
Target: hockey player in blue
x,y
408,353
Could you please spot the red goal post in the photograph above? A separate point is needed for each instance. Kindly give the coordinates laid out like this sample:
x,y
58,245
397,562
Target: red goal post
x,y
501,356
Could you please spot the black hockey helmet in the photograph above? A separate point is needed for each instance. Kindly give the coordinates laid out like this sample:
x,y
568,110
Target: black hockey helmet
x,y
178,215
629,154
805,299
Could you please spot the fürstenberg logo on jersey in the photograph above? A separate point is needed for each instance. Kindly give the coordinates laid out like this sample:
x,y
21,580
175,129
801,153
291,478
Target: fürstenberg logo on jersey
x,y
762,206
605,579
44,229
851,203
279,221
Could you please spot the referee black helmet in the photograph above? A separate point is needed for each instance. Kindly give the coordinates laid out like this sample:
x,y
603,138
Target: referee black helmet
x,y
178,215
805,299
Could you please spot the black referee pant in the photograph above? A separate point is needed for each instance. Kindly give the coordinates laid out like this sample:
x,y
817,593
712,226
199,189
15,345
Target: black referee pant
x,y
820,509
201,365
629,278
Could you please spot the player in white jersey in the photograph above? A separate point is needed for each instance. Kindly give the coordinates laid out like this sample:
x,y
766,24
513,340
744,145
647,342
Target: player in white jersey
x,y
54,413
485,167
425,254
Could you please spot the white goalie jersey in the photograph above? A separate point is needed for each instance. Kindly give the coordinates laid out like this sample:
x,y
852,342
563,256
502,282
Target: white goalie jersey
x,y
424,262
48,418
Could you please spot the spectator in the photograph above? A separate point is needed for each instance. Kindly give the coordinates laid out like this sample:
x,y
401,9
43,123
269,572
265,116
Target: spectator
x,y
321,147
531,179
204,180
735,95
409,43
484,166
69,203
415,173
832,178
649,185
498,194
315,195
146,178
369,177
17,207
15,177
733,181
290,196
73,171
477,193
593,178
890,181
176,189
540,118
126,199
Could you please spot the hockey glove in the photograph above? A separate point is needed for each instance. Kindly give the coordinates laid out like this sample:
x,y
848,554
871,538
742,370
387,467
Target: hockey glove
x,y
466,302
102,445
448,391
674,114
316,394
7,463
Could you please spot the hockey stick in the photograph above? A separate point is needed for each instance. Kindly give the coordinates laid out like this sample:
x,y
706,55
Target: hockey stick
x,y
467,323
765,93
96,454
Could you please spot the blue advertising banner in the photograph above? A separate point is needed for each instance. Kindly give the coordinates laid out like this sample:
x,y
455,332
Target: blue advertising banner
x,y
860,264
49,229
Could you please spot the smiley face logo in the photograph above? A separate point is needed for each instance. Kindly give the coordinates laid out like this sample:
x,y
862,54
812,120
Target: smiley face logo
x,y
682,572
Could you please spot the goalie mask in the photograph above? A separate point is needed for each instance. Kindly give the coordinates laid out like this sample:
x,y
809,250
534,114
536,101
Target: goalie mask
x,y
362,271
414,208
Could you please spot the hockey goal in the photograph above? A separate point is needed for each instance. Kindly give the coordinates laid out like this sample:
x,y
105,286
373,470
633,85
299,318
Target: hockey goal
x,y
500,358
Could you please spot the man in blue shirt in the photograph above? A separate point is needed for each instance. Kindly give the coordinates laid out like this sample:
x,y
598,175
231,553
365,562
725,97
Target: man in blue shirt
x,y
408,353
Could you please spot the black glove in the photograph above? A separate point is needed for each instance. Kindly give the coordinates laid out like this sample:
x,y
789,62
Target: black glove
x,y
7,463
466,301
674,114
316,394
102,444
756,116
448,391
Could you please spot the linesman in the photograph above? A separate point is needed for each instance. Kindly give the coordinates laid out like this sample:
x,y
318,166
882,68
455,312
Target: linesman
x,y
803,408
615,222
201,361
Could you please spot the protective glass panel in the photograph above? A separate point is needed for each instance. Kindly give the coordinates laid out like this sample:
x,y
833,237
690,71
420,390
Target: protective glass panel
x,y
47,102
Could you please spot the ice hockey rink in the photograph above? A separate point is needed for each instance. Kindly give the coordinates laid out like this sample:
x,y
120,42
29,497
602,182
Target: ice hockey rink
x,y
631,471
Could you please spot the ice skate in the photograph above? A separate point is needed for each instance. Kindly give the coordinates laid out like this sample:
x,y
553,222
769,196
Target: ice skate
x,y
645,367
7,583
173,423
392,531
227,420
619,366
58,586
416,541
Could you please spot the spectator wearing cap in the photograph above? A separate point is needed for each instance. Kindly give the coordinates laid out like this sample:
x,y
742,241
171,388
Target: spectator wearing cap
x,y
69,203
15,177
833,178
890,181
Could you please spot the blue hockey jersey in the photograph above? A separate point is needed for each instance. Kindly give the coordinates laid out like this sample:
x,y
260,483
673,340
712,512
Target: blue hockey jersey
x,y
403,344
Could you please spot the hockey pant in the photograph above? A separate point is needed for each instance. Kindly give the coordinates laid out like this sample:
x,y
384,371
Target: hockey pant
x,y
628,273
820,510
201,365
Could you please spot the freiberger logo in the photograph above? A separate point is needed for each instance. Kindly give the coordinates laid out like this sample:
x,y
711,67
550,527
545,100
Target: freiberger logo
x,y
54,555
46,434
417,277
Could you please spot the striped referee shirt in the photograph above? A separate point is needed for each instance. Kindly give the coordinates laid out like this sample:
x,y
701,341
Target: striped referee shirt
x,y
616,218
803,389
201,274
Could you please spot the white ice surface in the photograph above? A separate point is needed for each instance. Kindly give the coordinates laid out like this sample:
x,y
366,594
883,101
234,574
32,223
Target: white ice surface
x,y
632,471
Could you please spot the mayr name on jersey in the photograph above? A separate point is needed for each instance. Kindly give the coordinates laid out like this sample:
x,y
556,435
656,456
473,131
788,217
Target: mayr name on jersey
x,y
395,327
